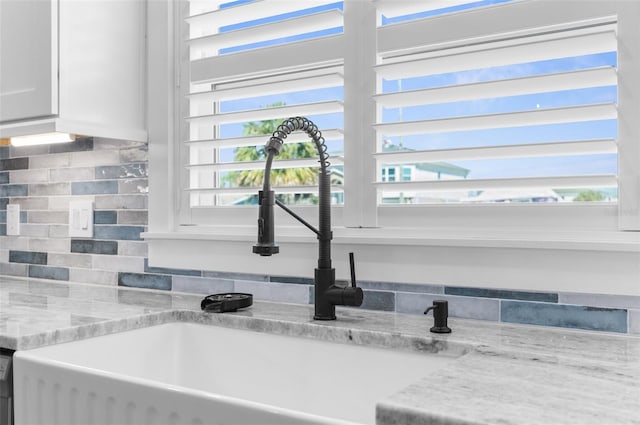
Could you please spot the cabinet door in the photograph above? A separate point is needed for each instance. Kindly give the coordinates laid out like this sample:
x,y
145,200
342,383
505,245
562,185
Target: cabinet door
x,y
28,59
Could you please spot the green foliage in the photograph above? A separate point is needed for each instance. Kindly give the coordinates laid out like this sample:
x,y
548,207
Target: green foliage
x,y
279,177
589,196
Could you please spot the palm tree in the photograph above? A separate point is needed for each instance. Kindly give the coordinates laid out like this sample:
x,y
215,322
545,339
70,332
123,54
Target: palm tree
x,y
279,177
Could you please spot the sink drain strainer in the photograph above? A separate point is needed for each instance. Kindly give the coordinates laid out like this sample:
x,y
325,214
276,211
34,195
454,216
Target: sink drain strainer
x,y
223,303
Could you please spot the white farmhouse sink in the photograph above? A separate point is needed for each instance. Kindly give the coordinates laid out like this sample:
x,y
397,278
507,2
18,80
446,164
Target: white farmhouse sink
x,y
184,373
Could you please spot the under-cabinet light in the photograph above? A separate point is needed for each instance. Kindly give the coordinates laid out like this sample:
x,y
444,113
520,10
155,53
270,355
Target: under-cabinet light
x,y
41,139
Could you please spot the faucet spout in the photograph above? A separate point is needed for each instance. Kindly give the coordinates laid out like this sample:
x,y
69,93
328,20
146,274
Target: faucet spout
x,y
327,294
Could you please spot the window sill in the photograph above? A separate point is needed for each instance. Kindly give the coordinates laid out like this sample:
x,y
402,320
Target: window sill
x,y
497,238
595,261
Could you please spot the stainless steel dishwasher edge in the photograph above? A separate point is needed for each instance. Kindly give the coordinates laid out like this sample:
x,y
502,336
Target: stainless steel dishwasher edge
x,y
6,387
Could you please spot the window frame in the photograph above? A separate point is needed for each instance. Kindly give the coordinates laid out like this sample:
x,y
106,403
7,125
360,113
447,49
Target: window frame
x,y
569,229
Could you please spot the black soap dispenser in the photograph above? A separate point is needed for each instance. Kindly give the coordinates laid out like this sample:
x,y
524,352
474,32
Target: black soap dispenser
x,y
440,315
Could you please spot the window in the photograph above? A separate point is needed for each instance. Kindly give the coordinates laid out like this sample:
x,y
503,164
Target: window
x,y
452,125
513,118
251,64
470,103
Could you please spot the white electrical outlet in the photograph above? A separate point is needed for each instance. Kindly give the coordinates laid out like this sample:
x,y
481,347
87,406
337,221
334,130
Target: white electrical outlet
x,y
13,219
81,219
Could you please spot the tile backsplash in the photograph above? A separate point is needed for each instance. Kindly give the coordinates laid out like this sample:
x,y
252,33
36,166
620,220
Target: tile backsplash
x,y
113,174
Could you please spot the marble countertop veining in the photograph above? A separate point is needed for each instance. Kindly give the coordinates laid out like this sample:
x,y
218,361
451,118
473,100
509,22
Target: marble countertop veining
x,y
503,374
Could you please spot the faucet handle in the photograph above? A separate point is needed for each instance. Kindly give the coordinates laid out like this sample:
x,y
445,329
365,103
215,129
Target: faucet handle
x,y
352,266
353,295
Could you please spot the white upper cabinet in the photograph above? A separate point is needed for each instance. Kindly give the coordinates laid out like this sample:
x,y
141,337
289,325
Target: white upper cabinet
x,y
28,59
73,66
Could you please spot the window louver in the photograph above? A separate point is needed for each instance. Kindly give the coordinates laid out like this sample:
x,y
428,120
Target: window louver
x,y
251,65
522,116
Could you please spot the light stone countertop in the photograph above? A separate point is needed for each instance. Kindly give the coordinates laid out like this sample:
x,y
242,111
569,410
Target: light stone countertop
x,y
503,374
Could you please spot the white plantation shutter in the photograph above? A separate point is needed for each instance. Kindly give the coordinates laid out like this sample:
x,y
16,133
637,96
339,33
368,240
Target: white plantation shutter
x,y
249,62
507,103
435,102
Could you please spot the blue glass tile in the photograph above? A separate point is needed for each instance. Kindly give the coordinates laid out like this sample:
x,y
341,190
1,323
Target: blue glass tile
x,y
279,292
401,287
14,190
634,322
4,152
463,307
94,187
4,178
379,300
14,164
83,144
3,203
46,272
163,270
30,257
290,279
131,233
89,246
566,316
236,276
149,281
601,300
198,285
3,229
105,217
502,294
129,171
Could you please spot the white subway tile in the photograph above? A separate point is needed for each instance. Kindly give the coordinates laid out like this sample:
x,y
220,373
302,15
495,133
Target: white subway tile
x,y
121,202
59,231
133,217
133,249
49,245
93,158
49,217
69,260
102,144
49,189
32,203
281,292
21,151
101,277
14,269
17,243
62,202
40,175
4,255
72,174
50,161
34,230
117,263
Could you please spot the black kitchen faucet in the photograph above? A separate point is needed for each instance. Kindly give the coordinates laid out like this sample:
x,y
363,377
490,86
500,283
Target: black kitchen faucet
x,y
327,293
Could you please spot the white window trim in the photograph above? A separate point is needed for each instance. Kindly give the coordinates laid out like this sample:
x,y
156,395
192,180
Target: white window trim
x,y
440,238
